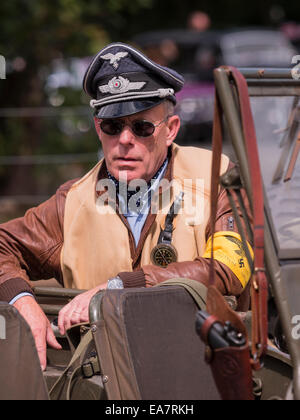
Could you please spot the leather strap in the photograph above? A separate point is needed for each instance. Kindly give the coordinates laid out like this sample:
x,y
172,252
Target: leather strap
x,y
259,289
196,289
240,228
215,178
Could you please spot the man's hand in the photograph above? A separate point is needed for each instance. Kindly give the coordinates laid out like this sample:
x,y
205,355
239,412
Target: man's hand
x,y
40,326
77,310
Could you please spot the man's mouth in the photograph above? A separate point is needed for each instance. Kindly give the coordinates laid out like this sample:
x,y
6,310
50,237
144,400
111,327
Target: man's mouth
x,y
127,159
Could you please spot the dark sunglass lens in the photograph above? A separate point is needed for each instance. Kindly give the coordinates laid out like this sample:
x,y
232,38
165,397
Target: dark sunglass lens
x,y
111,127
143,128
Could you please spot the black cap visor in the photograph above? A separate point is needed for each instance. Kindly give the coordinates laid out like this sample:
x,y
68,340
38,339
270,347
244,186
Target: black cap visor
x,y
127,108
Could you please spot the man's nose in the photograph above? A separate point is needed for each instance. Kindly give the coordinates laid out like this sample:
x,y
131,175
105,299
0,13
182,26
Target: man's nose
x,y
126,137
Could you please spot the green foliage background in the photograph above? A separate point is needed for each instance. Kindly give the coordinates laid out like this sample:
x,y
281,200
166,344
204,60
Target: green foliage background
x,y
40,31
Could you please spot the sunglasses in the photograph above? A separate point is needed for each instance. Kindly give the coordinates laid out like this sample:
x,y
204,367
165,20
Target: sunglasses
x,y
141,128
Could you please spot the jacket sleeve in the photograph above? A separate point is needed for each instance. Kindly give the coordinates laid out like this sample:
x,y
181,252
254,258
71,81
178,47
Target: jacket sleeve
x,y
30,246
226,280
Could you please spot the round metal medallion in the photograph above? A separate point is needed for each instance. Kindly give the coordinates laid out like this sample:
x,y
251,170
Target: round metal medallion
x,y
163,254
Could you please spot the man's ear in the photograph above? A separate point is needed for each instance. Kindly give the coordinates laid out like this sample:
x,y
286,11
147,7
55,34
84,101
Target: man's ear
x,y
173,129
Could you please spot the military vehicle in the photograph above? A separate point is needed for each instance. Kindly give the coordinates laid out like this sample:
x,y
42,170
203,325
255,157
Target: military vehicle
x,y
143,344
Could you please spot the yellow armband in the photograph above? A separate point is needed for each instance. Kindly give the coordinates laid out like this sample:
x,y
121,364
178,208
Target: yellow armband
x,y
229,250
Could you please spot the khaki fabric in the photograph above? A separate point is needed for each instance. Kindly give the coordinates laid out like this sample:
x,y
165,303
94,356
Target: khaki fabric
x,y
21,377
96,246
148,346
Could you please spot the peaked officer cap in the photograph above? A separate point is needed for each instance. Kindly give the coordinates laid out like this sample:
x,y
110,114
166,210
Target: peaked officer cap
x,y
122,81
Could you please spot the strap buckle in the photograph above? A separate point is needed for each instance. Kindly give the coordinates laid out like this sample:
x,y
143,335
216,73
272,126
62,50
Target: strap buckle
x,y
90,368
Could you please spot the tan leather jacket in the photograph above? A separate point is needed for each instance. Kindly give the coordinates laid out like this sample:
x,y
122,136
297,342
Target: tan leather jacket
x,y
30,248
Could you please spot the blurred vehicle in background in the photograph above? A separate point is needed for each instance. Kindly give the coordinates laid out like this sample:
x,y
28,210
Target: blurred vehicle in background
x,y
195,55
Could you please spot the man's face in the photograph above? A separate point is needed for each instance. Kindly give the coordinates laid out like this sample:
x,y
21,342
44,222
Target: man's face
x,y
131,157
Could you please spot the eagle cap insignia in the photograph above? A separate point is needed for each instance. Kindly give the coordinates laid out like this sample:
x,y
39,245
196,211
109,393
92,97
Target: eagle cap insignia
x,y
114,59
120,85
240,251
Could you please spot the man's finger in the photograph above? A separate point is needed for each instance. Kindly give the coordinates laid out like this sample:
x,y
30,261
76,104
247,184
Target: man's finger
x,y
37,321
40,342
61,321
51,340
85,316
76,311
71,318
65,320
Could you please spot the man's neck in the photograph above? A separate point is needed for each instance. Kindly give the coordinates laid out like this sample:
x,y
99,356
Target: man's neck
x,y
155,176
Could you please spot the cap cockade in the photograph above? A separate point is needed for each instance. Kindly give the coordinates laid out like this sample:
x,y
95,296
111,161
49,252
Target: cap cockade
x,y
122,81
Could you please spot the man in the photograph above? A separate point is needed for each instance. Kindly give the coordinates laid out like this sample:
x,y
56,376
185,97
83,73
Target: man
x,y
100,231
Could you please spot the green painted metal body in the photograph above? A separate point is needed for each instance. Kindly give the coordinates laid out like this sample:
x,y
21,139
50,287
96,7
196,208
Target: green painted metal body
x,y
282,262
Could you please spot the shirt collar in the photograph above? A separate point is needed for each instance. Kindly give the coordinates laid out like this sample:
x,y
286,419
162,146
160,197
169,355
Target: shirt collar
x,y
143,203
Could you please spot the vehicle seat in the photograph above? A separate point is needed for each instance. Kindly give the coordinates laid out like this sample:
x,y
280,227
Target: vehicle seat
x,y
21,377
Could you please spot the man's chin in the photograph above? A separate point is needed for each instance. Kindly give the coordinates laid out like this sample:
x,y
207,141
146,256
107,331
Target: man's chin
x,y
127,174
